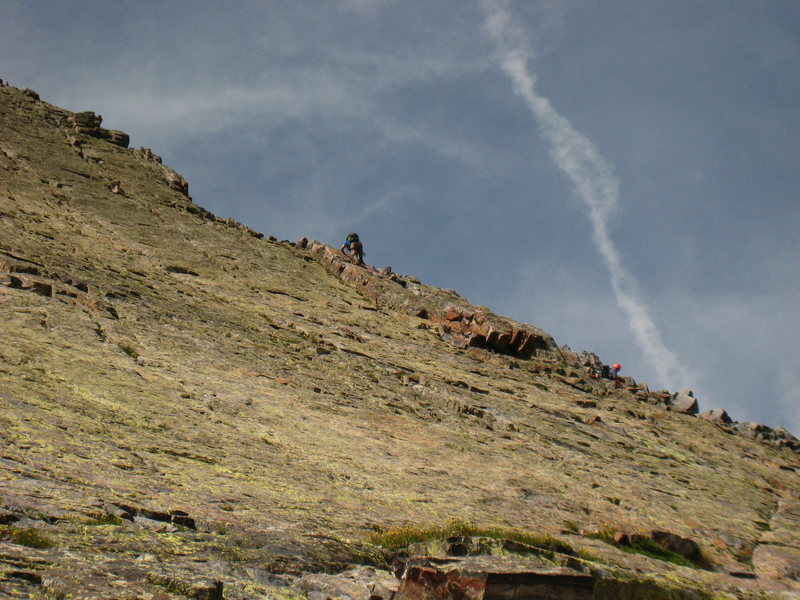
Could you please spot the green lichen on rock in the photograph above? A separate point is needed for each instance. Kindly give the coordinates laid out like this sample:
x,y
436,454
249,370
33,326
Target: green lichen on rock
x,y
409,534
642,544
653,549
654,588
26,536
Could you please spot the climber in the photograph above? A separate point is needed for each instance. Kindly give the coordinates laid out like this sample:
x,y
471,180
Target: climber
x,y
610,372
353,249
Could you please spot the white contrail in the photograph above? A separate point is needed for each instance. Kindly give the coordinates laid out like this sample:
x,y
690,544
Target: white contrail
x,y
594,180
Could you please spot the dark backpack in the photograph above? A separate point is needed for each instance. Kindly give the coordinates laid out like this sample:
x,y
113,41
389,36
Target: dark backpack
x,y
606,372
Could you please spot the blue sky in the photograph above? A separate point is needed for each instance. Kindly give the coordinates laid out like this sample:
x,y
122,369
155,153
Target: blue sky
x,y
409,123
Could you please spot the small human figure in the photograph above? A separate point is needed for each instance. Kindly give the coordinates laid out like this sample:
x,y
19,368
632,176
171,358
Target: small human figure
x,y
353,249
610,372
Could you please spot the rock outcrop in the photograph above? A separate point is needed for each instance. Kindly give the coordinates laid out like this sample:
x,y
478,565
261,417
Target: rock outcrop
x,y
88,123
459,322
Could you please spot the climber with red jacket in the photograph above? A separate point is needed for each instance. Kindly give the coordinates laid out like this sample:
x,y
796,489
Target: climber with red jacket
x,y
610,372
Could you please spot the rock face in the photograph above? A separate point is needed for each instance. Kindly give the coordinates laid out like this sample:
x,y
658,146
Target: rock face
x,y
191,410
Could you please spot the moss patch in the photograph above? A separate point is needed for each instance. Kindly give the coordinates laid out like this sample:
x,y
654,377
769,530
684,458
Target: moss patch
x,y
127,349
100,519
647,547
653,549
400,537
33,538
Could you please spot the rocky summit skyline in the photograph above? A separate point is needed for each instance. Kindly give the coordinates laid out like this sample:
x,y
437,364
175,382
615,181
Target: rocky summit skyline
x,y
191,408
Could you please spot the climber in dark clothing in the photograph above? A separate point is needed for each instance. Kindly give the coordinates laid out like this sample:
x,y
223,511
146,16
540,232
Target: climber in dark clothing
x,y
353,249
610,372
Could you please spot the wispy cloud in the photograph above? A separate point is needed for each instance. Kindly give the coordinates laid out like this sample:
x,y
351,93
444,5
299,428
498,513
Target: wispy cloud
x,y
594,181
206,107
347,94
328,225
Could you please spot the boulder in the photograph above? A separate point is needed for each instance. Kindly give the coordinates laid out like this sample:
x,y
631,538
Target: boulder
x,y
677,544
86,119
118,138
529,342
685,404
453,313
718,415
783,434
570,356
176,182
148,155
590,359
754,431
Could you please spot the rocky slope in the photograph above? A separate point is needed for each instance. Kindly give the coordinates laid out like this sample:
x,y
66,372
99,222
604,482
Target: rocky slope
x,y
189,409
